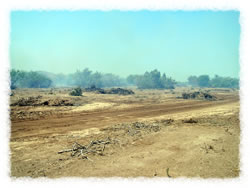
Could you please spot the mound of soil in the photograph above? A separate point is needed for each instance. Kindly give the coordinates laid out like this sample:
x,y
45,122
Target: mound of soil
x,y
34,115
30,101
198,95
36,101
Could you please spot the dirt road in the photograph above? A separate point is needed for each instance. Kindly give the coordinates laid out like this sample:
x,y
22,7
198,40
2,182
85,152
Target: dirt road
x,y
84,120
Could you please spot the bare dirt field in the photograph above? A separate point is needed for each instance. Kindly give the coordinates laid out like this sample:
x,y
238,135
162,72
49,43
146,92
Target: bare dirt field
x,y
152,133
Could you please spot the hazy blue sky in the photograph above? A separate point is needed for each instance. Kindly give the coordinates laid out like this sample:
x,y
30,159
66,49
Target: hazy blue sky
x,y
179,43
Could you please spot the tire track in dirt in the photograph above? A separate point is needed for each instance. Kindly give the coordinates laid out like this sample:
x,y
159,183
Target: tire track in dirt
x,y
100,118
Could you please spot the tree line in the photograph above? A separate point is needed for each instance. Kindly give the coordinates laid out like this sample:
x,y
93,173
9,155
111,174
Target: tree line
x,y
87,78
84,78
215,82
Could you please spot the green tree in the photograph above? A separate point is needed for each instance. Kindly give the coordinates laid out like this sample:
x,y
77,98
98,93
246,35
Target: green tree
x,y
86,78
31,79
224,82
15,77
35,80
154,80
203,81
193,80
82,78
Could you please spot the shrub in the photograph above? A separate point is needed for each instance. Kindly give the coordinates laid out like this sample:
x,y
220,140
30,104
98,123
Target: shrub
x,y
76,92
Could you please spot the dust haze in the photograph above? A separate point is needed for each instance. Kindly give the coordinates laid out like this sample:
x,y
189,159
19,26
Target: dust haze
x,y
151,94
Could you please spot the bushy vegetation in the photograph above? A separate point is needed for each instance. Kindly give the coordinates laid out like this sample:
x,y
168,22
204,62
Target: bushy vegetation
x,y
152,80
87,78
76,92
216,82
203,81
224,82
23,79
84,78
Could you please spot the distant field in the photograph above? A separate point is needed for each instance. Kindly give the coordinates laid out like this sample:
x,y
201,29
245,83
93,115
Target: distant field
x,y
150,133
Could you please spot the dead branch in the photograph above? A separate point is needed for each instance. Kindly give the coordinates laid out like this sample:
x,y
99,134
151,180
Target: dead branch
x,y
94,147
67,150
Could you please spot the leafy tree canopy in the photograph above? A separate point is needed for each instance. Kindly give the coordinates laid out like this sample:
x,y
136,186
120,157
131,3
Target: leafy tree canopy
x,y
216,81
152,80
23,79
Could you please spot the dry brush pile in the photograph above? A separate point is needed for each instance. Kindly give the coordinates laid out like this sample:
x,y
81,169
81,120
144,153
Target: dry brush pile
x,y
198,95
94,147
120,134
118,91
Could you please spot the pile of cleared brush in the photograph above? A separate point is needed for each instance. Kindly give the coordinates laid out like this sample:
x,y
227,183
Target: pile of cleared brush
x,y
58,102
94,147
198,95
139,128
30,101
94,89
120,133
118,91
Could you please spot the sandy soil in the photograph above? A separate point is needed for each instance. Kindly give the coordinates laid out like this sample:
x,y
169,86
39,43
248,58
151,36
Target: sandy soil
x,y
208,148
